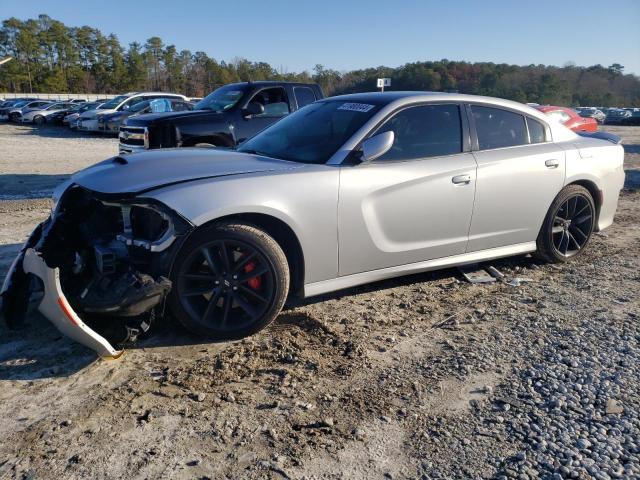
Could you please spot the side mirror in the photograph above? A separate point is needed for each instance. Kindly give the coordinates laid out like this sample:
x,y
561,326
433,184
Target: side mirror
x,y
254,108
377,146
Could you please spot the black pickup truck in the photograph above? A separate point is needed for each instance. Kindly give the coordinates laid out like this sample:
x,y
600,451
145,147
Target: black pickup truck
x,y
226,117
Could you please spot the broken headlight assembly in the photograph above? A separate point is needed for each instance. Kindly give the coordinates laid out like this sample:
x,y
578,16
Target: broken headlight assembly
x,y
102,263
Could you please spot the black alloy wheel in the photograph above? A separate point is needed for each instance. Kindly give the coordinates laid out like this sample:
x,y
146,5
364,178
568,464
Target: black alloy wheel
x,y
229,281
568,225
572,225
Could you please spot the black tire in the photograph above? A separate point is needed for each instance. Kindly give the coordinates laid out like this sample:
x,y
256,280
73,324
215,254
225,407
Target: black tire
x,y
568,226
227,305
39,120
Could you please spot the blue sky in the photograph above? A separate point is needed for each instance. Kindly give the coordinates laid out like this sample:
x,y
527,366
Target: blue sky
x,y
296,35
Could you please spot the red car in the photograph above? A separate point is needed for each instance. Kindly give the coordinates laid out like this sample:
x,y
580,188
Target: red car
x,y
570,118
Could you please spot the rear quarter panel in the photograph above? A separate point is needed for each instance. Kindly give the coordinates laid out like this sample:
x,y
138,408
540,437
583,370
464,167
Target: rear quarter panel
x,y
599,162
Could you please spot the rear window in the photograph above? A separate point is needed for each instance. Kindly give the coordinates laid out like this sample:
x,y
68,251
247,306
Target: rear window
x,y
497,128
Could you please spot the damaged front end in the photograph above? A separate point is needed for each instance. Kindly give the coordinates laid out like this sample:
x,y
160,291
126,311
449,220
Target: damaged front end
x,y
101,265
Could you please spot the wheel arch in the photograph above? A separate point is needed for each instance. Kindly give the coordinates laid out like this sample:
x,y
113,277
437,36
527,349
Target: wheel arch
x,y
282,233
217,140
596,194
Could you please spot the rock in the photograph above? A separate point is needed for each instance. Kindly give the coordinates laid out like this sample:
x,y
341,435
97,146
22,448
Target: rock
x,y
613,407
247,458
199,397
327,422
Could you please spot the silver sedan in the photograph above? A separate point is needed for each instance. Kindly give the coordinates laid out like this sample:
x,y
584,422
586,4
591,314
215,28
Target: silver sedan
x,y
345,191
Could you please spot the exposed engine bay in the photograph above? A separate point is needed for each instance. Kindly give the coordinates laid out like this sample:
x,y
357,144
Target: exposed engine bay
x,y
101,264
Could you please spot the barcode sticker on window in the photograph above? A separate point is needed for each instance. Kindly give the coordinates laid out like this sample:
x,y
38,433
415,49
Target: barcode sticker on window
x,y
356,107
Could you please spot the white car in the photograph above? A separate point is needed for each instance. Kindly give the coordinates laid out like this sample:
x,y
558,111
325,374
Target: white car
x,y
39,116
88,121
15,115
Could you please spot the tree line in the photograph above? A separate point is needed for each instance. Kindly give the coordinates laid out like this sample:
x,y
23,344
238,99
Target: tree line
x,y
50,57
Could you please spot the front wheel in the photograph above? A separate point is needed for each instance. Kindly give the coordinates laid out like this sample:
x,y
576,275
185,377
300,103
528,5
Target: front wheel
x,y
39,120
230,280
568,226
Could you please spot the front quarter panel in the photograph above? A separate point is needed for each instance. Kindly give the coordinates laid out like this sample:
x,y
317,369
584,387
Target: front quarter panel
x,y
304,198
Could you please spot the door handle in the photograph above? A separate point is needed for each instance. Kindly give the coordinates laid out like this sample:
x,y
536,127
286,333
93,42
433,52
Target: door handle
x,y
552,163
461,179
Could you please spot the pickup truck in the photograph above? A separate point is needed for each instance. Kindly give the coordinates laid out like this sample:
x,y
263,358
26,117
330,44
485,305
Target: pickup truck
x,y
225,118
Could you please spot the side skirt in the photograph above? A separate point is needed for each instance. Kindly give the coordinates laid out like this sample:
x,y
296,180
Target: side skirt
x,y
325,286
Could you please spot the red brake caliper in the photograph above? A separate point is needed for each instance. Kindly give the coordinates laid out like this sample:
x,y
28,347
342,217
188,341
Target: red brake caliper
x,y
255,282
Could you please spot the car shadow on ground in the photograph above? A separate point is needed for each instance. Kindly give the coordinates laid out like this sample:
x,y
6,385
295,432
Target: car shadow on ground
x,y
57,131
21,186
36,350
631,179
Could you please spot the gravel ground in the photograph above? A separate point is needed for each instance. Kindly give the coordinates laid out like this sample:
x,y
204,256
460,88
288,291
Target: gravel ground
x,y
420,377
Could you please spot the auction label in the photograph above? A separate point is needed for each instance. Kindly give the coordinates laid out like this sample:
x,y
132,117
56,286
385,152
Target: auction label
x,y
356,107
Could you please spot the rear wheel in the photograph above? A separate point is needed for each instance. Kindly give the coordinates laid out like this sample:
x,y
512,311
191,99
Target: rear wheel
x,y
568,226
229,281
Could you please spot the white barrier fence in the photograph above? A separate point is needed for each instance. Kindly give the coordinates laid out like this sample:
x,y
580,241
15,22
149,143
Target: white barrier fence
x,y
57,96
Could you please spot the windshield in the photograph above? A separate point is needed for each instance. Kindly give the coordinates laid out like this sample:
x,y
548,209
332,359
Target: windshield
x,y
111,104
88,106
221,99
312,134
140,106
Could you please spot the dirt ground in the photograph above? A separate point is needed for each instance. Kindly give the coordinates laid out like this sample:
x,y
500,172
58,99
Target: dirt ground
x,y
425,376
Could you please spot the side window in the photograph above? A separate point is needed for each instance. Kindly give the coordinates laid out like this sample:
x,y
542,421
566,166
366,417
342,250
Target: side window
x,y
179,106
274,101
537,131
499,128
424,131
304,96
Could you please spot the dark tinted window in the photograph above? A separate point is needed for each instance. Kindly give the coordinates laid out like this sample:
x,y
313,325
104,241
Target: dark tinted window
x,y
499,128
313,133
304,96
274,101
536,131
424,131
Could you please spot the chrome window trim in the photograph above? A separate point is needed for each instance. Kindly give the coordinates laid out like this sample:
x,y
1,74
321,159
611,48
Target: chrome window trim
x,y
475,143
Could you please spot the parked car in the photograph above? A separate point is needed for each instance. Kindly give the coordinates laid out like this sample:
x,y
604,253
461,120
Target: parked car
x,y
11,105
616,116
569,118
15,114
634,119
73,116
110,123
88,121
58,117
345,191
41,116
597,115
225,118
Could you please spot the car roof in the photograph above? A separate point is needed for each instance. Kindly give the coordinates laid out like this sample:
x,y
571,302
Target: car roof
x,y
405,97
266,83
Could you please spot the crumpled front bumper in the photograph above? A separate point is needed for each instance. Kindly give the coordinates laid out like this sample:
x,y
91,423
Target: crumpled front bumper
x,y
54,305
56,308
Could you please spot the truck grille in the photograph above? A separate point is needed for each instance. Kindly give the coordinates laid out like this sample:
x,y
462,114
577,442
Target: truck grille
x,y
134,136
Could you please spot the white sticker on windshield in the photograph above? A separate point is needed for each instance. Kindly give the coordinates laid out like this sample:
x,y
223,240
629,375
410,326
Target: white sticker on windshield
x,y
356,107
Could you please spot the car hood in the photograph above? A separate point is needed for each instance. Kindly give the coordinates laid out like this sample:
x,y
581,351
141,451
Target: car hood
x,y
150,118
96,113
146,171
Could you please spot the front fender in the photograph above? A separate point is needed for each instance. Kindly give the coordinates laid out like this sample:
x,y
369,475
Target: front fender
x,y
305,199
